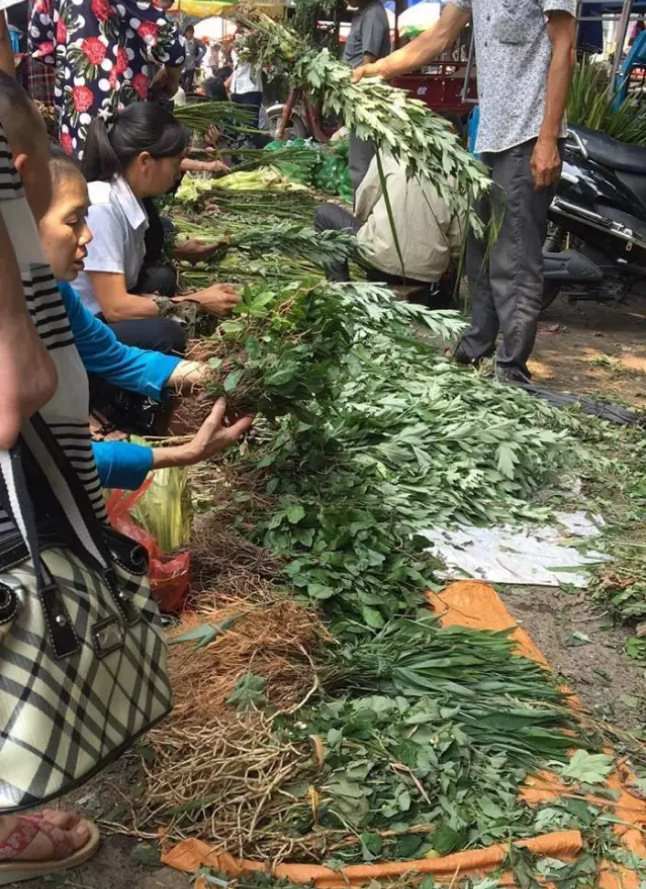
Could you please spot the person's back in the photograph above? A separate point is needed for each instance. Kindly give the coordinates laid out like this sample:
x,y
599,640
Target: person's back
x,y
369,34
428,235
104,54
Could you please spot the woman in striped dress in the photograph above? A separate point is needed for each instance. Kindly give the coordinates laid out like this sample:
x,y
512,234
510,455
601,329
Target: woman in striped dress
x,y
39,371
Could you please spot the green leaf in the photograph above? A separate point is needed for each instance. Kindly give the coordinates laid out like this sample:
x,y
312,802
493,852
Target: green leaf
x,y
320,591
445,839
248,692
295,514
370,845
372,617
588,768
408,846
205,633
233,379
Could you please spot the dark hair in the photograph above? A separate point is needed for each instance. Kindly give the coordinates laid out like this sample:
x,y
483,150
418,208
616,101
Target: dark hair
x,y
17,111
145,126
214,89
189,28
62,165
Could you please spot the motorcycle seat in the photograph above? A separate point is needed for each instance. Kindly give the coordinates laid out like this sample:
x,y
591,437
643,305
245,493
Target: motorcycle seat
x,y
610,152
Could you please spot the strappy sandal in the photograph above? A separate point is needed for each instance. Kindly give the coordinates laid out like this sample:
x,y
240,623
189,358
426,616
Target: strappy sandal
x,y
28,828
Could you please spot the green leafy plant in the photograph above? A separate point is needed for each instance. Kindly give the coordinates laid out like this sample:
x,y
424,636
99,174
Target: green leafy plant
x,y
421,140
591,103
248,692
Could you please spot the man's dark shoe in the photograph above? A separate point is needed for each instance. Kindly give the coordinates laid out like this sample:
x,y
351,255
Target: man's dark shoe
x,y
512,376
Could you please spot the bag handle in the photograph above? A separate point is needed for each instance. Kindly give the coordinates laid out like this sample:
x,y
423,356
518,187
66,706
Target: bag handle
x,y
66,495
68,502
16,501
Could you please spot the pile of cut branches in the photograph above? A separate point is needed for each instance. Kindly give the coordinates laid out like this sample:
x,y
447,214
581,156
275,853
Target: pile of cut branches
x,y
376,111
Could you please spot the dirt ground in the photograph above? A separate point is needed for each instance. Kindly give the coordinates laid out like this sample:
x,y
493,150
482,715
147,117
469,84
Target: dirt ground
x,y
587,348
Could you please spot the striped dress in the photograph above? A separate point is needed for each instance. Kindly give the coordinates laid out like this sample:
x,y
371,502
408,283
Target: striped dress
x,y
68,411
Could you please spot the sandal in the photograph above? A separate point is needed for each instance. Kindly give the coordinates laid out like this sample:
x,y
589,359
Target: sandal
x,y
65,857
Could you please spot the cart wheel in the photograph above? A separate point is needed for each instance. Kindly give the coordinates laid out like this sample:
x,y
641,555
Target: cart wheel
x,y
296,128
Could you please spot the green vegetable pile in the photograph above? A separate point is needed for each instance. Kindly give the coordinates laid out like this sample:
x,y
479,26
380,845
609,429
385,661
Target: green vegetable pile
x,y
325,168
366,435
373,109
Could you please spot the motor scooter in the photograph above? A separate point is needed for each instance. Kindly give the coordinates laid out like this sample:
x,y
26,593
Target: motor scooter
x,y
596,246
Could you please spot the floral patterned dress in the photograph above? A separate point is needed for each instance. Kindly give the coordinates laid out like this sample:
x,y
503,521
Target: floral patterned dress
x,y
105,54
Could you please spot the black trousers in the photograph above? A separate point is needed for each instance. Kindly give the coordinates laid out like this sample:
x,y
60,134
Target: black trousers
x,y
506,279
187,80
130,411
253,101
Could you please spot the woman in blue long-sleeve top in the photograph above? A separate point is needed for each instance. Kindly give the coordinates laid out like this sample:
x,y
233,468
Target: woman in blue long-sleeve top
x,y
64,237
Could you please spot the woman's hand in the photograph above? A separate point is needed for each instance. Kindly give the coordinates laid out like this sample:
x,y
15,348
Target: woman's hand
x,y
193,250
212,438
220,299
189,374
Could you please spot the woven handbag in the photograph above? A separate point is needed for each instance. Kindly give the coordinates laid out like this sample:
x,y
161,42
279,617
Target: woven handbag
x,y
82,651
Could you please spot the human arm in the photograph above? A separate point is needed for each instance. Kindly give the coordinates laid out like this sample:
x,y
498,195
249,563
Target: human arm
x,y
424,48
27,371
374,28
368,193
561,28
137,370
7,65
193,250
124,465
166,81
192,166
119,305
105,268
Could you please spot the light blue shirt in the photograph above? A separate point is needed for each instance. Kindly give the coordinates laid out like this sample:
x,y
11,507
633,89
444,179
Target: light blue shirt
x,y
120,464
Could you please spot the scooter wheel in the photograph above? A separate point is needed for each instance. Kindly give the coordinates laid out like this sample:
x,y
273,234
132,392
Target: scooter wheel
x,y
551,290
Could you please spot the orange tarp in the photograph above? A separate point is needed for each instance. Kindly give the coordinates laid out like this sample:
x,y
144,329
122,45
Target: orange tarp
x,y
476,605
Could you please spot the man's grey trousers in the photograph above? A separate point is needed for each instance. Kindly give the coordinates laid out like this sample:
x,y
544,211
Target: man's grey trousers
x,y
506,282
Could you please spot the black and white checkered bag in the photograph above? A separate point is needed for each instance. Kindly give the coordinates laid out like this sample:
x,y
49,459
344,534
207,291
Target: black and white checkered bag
x,y
82,651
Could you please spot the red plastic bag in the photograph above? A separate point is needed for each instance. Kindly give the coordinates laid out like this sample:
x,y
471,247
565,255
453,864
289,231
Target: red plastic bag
x,y
169,575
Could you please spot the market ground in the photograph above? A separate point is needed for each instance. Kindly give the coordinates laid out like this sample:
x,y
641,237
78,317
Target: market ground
x,y
587,348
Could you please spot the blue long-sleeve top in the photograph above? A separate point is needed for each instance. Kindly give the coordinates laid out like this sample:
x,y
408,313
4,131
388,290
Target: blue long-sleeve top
x,y
120,463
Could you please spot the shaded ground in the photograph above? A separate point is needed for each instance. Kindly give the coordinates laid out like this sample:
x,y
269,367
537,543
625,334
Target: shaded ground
x,y
594,348
611,685
587,348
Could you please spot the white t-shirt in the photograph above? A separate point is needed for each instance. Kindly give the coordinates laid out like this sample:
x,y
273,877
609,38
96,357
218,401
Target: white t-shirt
x,y
118,222
246,79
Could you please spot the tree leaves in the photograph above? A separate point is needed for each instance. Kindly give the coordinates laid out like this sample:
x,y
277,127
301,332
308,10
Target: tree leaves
x,y
588,768
248,692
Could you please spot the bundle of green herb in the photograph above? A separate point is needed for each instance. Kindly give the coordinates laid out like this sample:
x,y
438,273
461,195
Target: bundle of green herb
x,y
387,116
320,248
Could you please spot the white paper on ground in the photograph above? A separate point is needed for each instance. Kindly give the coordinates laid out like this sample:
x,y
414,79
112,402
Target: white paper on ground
x,y
518,554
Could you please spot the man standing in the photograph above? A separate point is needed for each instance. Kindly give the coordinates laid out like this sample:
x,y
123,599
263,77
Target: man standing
x,y
525,52
368,40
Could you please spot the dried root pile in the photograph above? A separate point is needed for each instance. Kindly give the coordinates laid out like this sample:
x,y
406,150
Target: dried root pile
x,y
216,772
275,640
219,777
